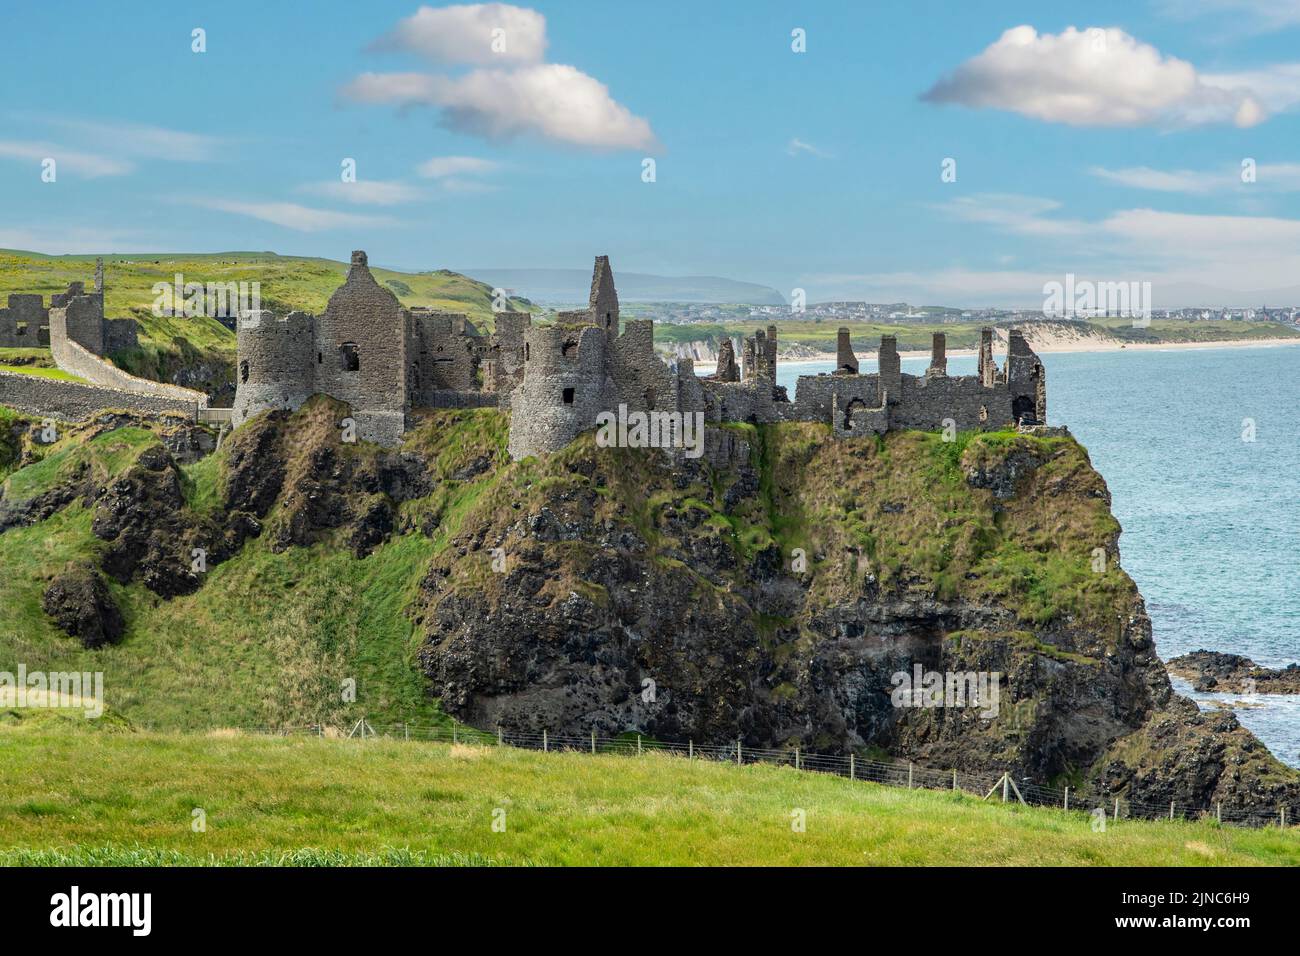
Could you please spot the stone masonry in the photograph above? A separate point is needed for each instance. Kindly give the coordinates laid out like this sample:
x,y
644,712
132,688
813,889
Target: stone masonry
x,y
80,338
385,361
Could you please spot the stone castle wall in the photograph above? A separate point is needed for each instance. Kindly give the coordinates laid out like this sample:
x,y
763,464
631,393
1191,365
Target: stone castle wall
x,y
555,380
25,322
565,387
72,401
78,336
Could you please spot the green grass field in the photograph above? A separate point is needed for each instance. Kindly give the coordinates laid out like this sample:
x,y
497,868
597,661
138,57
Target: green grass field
x,y
77,795
40,372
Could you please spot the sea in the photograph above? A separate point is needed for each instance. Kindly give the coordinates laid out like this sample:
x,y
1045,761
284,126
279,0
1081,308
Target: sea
x,y
1201,451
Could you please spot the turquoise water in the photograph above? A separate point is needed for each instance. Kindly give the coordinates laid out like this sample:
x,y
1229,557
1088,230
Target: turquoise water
x,y
1211,524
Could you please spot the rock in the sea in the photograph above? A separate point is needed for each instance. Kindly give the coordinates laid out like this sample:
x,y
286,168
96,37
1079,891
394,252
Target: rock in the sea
x,y
1215,671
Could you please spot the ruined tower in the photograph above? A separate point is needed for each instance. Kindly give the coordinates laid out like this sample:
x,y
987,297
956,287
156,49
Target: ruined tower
x,y
727,370
938,356
603,301
846,362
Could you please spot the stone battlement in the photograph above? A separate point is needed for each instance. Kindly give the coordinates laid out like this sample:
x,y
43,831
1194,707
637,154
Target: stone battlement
x,y
386,360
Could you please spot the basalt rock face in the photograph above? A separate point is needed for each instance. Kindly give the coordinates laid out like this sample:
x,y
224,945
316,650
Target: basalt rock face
x,y
81,605
780,593
322,488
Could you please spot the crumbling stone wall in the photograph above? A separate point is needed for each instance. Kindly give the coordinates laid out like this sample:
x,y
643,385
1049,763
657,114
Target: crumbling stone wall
x,y
276,363
361,349
383,360
25,323
846,360
74,358
72,401
565,387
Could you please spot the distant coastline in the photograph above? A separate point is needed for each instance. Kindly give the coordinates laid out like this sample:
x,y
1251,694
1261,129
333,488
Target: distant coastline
x,y
1060,349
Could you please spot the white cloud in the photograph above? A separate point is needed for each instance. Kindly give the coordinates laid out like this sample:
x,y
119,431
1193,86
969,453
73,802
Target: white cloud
x,y
556,102
291,215
1179,236
368,192
797,146
89,165
1096,77
136,139
1281,177
440,167
1162,180
1185,256
464,34
67,239
518,94
1022,215
1252,15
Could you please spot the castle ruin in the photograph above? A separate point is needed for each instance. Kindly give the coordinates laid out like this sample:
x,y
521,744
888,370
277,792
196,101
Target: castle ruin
x,y
386,360
80,339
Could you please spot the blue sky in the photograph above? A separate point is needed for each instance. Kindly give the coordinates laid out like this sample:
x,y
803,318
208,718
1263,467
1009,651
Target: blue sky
x,y
1113,152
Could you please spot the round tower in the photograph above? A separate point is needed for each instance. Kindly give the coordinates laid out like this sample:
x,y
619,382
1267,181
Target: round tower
x,y
565,386
276,363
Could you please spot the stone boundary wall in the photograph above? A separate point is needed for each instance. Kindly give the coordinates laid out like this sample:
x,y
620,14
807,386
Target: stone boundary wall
x,y
72,401
453,399
78,360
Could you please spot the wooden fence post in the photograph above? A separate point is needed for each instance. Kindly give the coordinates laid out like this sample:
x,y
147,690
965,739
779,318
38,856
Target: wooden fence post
x,y
1067,798
638,745
852,769
909,775
593,741
545,742
500,741
796,758
737,751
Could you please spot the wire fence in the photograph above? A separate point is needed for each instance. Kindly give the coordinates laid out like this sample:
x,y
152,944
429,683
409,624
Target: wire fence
x,y
990,786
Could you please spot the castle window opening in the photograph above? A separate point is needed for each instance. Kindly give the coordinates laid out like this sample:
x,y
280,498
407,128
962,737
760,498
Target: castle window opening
x,y
526,350
607,319
568,396
569,348
349,357
320,358
243,371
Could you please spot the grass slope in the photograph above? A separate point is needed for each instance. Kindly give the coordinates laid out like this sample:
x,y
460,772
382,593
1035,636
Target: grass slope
x,y
270,638
286,283
81,796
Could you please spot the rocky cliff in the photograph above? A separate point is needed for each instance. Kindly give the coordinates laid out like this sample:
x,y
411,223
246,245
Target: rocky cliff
x,y
775,590
776,596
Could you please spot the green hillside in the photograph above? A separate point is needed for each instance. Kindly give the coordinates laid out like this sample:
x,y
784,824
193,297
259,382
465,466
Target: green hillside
x,y
202,349
271,635
329,801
